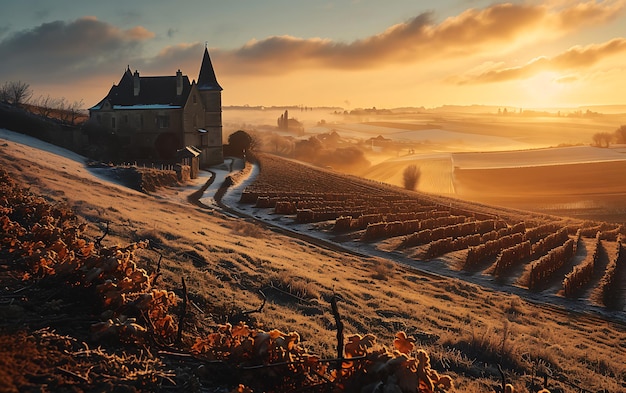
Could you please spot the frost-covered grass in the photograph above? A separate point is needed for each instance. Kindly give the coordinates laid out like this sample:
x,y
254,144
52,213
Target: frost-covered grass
x,y
538,157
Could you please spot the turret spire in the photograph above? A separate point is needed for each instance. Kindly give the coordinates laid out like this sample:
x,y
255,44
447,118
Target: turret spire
x,y
207,79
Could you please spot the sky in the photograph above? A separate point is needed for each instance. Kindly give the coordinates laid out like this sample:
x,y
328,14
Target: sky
x,y
344,53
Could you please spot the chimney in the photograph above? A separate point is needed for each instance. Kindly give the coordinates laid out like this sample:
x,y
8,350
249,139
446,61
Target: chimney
x,y
136,83
179,83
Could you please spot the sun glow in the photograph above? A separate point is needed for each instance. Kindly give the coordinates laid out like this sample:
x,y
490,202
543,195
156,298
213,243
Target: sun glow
x,y
545,89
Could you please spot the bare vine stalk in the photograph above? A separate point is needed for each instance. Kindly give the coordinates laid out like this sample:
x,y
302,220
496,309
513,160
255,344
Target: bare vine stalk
x,y
339,324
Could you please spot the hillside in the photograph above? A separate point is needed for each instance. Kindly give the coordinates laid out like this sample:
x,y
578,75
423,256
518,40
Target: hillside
x,y
466,328
577,181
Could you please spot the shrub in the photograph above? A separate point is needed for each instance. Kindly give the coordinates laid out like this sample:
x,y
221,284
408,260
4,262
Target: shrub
x,y
620,134
602,139
411,177
383,269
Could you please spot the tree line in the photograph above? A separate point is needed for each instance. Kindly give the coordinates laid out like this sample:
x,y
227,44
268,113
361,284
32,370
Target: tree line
x,y
20,94
604,139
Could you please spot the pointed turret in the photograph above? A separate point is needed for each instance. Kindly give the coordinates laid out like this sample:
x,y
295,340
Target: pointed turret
x,y
127,78
207,79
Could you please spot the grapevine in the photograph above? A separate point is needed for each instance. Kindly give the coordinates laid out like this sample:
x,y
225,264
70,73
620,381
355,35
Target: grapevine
x,y
373,212
48,246
583,273
274,361
610,282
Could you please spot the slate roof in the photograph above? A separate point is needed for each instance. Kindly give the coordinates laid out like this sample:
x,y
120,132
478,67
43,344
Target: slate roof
x,y
158,90
153,90
207,79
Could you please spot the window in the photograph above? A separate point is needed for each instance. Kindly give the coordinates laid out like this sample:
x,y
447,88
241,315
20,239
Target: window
x,y
163,121
141,121
126,119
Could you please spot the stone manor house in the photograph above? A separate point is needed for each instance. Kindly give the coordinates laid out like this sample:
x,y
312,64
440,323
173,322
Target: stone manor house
x,y
162,117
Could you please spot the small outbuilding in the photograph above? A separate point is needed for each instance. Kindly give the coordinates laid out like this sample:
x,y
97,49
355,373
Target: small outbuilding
x,y
190,156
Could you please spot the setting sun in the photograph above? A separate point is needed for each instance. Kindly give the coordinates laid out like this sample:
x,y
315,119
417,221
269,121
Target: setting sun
x,y
544,90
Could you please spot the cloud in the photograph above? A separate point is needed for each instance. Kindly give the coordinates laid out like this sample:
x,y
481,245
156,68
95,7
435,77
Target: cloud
x,y
567,79
575,58
492,29
68,50
169,59
589,13
87,49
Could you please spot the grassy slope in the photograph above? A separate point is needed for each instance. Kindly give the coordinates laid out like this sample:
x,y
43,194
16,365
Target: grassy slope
x,y
227,260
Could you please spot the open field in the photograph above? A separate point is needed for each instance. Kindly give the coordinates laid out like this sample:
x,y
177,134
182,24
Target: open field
x,y
592,189
539,157
520,130
454,151
597,185
580,181
583,181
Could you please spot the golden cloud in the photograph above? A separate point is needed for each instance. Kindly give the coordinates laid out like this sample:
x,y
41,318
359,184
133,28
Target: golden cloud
x,y
139,33
575,58
567,79
493,29
589,13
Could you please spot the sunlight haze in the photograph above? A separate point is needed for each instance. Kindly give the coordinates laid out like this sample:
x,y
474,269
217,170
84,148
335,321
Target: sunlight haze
x,y
347,54
427,196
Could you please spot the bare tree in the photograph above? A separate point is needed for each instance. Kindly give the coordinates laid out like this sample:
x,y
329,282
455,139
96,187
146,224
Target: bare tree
x,y
281,144
4,93
597,139
74,110
411,177
60,109
44,105
620,134
602,139
16,93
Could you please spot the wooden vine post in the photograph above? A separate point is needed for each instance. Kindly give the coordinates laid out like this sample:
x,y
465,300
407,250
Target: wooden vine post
x,y
339,323
183,311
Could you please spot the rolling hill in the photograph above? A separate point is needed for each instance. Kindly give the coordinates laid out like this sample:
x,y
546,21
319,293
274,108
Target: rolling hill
x,y
229,261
